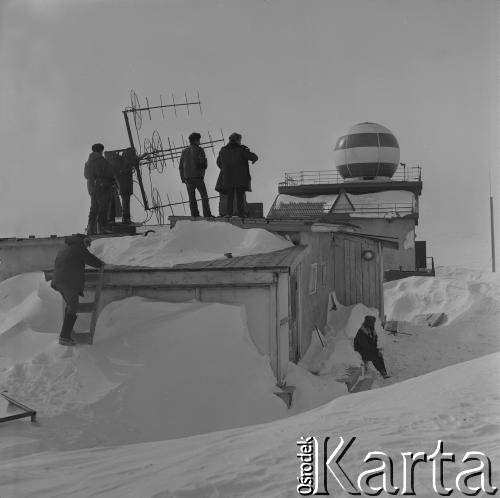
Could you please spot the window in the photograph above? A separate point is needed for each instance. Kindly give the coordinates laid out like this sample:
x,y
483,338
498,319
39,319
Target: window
x,y
313,279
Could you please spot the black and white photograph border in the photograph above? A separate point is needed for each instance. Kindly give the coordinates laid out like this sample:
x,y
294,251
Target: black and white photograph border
x,y
247,248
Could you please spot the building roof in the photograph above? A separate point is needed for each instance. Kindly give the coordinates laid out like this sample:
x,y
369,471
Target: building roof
x,y
275,260
282,259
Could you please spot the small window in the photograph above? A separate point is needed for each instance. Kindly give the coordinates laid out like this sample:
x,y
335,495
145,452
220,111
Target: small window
x,y
313,279
324,275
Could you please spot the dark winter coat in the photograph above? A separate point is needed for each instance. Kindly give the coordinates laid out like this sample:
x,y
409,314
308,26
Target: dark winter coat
x,y
193,162
123,167
366,344
69,267
97,169
234,170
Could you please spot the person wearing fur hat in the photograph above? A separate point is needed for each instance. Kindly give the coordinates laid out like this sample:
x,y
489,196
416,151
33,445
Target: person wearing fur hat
x,y
69,278
234,177
192,167
365,343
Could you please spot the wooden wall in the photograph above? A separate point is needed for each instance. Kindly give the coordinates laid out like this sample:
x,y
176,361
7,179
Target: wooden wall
x,y
312,306
358,280
340,268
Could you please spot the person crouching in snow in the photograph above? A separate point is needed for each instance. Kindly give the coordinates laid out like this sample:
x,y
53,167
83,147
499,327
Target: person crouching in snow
x,y
365,343
69,279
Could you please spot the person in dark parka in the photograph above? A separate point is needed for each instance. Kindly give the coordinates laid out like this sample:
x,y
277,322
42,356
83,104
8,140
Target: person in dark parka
x,y
69,278
100,179
366,344
192,167
234,177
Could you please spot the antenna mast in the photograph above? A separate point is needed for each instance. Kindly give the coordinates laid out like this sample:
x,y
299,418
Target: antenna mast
x,y
492,223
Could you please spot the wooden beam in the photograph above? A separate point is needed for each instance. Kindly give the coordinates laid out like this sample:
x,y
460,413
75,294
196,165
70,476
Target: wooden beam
x,y
182,278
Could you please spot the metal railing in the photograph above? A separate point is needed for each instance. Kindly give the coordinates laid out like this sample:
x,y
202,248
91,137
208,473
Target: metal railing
x,y
402,174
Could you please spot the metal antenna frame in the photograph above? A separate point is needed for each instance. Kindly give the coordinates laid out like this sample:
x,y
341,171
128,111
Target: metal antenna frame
x,y
154,155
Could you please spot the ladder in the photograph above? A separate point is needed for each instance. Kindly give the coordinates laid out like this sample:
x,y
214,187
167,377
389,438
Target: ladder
x,y
92,307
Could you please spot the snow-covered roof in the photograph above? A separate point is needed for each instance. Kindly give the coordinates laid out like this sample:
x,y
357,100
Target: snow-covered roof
x,y
187,242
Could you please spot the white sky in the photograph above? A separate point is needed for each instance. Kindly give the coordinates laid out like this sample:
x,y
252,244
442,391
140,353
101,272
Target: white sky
x,y
290,75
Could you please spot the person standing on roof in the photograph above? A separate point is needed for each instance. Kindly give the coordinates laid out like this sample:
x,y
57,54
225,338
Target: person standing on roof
x,y
69,278
123,164
100,179
125,180
234,177
192,167
365,343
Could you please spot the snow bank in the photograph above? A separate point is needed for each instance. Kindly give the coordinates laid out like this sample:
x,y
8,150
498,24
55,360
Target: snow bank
x,y
188,241
470,300
343,323
30,313
471,303
458,405
162,370
156,371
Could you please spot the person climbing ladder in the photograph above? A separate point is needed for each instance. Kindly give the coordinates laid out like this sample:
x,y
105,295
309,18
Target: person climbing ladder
x,y
69,279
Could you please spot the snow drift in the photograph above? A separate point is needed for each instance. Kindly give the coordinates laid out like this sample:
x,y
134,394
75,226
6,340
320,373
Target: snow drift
x,y
156,371
458,405
162,370
188,241
471,303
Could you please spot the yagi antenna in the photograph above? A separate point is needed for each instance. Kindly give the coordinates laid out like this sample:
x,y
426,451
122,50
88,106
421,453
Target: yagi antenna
x,y
154,154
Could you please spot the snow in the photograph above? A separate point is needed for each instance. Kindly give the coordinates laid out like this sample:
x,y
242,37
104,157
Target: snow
x,y
384,197
458,405
149,358
160,370
186,242
409,242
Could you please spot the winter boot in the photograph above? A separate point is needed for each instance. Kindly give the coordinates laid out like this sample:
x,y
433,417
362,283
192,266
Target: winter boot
x,y
66,342
67,327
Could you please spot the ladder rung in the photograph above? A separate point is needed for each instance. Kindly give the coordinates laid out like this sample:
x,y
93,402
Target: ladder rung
x,y
86,307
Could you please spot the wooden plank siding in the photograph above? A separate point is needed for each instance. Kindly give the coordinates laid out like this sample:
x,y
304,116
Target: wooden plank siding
x,y
358,280
353,279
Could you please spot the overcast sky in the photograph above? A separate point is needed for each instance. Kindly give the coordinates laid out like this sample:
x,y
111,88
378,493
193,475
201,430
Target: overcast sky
x,y
290,75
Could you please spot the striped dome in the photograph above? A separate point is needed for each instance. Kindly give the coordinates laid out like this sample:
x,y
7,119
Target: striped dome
x,y
368,150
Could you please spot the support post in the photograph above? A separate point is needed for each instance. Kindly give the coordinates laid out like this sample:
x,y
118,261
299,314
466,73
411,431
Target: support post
x,y
137,168
493,268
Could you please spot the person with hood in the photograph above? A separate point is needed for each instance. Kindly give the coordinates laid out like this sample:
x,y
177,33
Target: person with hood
x,y
100,179
69,278
192,167
365,343
234,177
